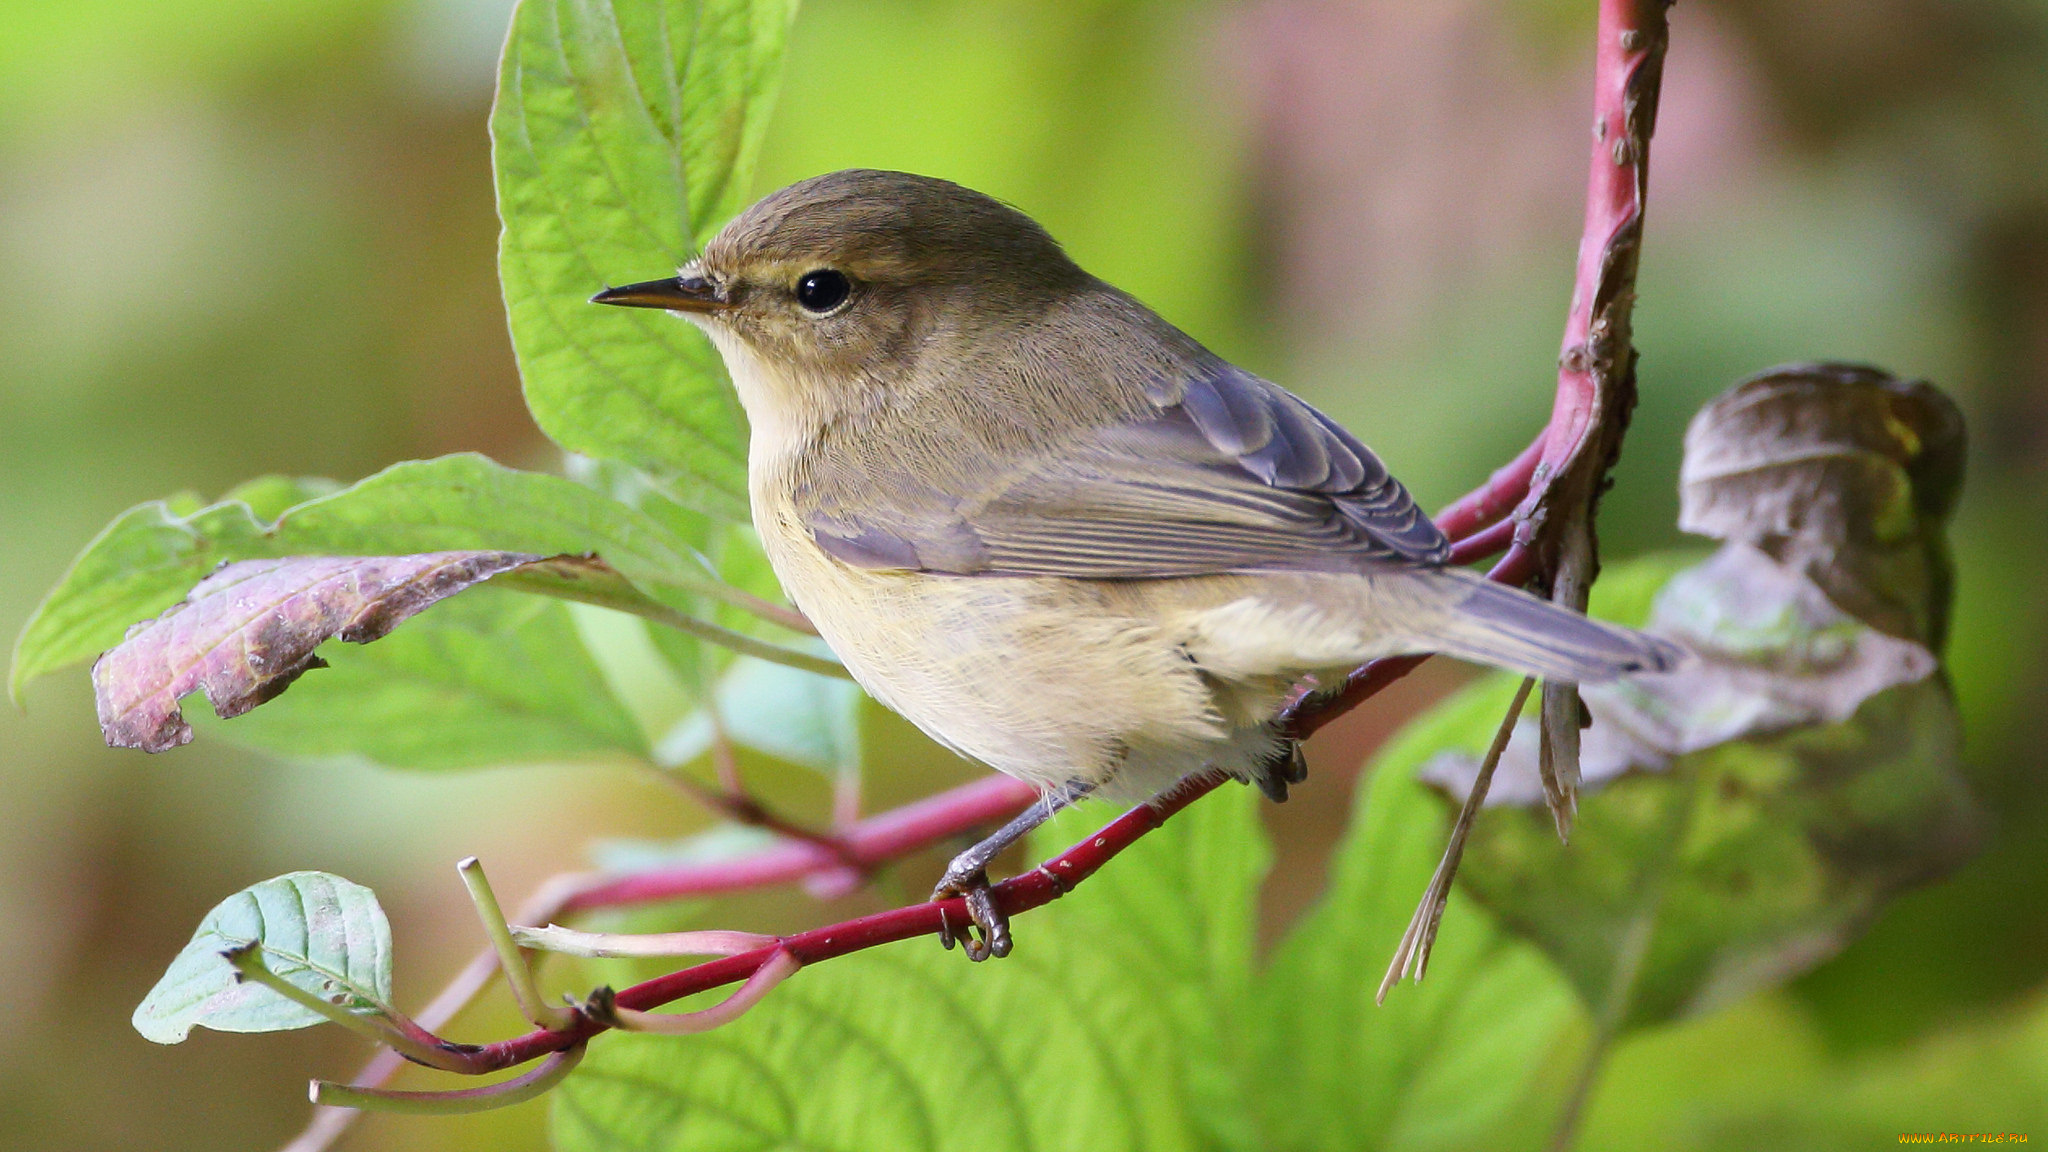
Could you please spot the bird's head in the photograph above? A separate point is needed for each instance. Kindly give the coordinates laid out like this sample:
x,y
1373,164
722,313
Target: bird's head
x,y
843,284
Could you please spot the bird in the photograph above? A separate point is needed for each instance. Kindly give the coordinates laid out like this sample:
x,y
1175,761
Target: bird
x,y
1049,528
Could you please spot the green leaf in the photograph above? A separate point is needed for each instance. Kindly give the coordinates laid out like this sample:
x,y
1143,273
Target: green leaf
x,y
623,137
506,680
318,932
487,679
1475,1056
149,557
1111,1026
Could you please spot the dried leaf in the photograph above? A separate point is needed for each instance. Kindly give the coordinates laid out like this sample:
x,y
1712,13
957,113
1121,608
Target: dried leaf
x,y
1843,472
1749,812
247,631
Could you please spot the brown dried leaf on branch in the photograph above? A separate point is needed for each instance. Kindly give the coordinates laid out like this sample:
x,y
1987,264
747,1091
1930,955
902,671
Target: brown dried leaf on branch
x,y
1762,802
1842,473
247,631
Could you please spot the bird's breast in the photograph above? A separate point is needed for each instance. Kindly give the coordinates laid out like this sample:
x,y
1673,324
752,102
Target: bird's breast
x,y
1045,679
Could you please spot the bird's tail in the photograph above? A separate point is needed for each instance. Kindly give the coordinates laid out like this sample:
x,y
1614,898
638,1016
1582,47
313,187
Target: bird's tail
x,y
1509,628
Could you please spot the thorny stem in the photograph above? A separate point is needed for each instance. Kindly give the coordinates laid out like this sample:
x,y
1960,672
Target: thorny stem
x,y
1553,487
1596,377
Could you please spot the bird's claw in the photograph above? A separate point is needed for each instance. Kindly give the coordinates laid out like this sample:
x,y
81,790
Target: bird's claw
x,y
990,935
1287,766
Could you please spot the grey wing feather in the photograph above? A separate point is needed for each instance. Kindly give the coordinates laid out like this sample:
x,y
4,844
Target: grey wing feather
x,y
1230,474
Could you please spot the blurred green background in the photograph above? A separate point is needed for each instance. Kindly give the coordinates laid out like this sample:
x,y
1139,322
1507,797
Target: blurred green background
x,y
240,236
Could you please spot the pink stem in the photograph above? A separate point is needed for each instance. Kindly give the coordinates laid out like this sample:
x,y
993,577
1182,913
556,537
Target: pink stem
x,y
872,842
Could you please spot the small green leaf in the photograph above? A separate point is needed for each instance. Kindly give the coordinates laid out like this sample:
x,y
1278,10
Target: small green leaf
x,y
623,136
320,933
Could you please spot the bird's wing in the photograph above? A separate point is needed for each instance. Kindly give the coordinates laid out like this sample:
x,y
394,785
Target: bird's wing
x,y
1228,474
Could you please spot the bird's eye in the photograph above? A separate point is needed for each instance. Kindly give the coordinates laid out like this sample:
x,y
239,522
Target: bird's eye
x,y
823,290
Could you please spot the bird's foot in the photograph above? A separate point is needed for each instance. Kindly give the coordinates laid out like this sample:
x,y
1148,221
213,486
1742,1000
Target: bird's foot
x,y
989,921
1287,766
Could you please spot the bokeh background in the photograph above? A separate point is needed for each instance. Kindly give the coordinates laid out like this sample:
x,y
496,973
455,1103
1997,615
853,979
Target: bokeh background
x,y
244,236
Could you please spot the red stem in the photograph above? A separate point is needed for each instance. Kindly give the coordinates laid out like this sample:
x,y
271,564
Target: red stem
x,y
1628,71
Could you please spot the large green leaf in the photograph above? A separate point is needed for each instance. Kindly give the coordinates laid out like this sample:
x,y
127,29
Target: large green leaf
x,y
499,681
152,555
1114,1025
1475,1056
623,137
320,933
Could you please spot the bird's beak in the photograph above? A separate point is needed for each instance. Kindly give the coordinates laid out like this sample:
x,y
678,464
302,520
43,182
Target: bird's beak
x,y
676,293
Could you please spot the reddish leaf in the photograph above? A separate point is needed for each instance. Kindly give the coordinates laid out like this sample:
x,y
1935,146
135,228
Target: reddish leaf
x,y
250,629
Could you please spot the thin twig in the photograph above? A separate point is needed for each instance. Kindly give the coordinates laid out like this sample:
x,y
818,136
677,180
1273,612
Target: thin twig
x,y
603,1006
518,973
1411,955
736,805
739,642
570,942
504,1094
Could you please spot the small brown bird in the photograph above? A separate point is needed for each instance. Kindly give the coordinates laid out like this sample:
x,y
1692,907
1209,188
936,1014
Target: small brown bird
x,y
1049,528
